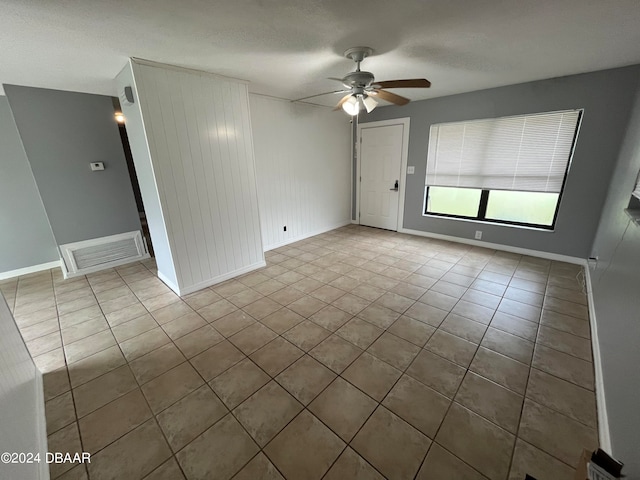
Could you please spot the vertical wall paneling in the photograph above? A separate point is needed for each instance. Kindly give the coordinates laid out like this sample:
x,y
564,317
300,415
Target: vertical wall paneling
x,y
172,171
200,144
303,168
195,178
213,186
138,140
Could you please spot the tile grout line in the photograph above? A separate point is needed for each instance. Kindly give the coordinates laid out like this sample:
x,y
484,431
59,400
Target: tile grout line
x,y
333,332
524,396
73,394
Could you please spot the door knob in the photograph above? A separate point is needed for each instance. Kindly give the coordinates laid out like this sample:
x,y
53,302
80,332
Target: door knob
x,y
395,187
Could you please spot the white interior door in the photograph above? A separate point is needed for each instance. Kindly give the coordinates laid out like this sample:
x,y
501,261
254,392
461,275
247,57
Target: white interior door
x,y
380,165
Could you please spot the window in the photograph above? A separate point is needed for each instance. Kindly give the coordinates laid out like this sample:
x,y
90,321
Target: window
x,y
506,170
633,209
636,190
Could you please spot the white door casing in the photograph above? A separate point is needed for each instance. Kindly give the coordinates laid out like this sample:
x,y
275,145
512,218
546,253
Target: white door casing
x,y
382,160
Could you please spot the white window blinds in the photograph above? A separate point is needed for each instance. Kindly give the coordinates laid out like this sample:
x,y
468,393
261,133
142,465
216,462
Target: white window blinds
x,y
527,152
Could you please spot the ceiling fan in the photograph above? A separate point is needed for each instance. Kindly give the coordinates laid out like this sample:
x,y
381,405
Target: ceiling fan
x,y
362,89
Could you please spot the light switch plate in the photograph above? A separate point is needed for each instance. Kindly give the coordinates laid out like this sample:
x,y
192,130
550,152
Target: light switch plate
x,y
411,170
97,166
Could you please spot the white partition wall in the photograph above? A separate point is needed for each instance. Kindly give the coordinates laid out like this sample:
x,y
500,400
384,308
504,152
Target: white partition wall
x,y
146,179
22,421
201,170
303,168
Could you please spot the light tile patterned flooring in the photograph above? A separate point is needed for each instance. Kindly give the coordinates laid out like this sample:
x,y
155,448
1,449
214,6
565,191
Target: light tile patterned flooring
x,y
355,354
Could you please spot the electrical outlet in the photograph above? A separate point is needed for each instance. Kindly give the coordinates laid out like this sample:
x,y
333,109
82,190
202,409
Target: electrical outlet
x,y
285,228
478,234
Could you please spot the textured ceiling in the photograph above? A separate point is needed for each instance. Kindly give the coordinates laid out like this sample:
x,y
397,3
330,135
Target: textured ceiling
x,y
287,48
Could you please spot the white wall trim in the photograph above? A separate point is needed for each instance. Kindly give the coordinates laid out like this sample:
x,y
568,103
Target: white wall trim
x,y
168,282
160,235
27,270
497,246
352,158
603,419
167,66
216,280
405,122
255,176
273,246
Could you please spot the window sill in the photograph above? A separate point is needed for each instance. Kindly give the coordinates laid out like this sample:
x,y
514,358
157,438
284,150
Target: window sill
x,y
495,224
634,214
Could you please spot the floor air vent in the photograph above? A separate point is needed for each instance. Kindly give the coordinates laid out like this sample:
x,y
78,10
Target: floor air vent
x,y
100,253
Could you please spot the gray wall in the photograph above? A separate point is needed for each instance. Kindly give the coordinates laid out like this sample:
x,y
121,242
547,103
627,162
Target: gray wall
x,y
62,132
615,285
25,239
606,98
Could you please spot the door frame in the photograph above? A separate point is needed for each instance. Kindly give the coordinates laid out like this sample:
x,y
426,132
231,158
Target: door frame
x,y
405,122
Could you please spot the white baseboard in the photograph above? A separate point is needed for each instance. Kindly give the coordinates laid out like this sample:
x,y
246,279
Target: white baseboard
x,y
307,235
498,246
212,281
27,270
601,404
168,282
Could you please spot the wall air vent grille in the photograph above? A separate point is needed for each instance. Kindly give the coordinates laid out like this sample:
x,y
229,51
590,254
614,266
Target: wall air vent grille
x,y
101,253
109,252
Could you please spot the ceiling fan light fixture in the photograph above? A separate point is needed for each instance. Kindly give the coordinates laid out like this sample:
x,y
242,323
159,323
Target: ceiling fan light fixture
x,y
369,103
351,106
360,85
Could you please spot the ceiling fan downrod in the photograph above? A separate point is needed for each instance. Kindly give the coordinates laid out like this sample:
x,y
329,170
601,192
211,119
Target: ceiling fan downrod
x,y
358,54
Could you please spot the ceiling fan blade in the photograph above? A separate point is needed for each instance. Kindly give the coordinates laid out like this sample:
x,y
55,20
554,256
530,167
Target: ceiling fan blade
x,y
342,100
413,83
318,95
391,97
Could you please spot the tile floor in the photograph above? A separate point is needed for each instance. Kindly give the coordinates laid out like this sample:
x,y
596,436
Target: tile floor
x,y
355,354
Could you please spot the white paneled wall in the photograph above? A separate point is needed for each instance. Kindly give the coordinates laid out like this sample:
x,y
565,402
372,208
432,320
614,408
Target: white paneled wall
x,y
199,136
22,424
303,168
146,180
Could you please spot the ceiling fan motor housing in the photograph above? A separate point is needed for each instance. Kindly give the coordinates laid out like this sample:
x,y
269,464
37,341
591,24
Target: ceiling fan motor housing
x,y
358,79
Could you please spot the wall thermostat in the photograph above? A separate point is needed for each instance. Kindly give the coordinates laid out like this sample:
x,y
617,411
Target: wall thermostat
x,y
97,166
